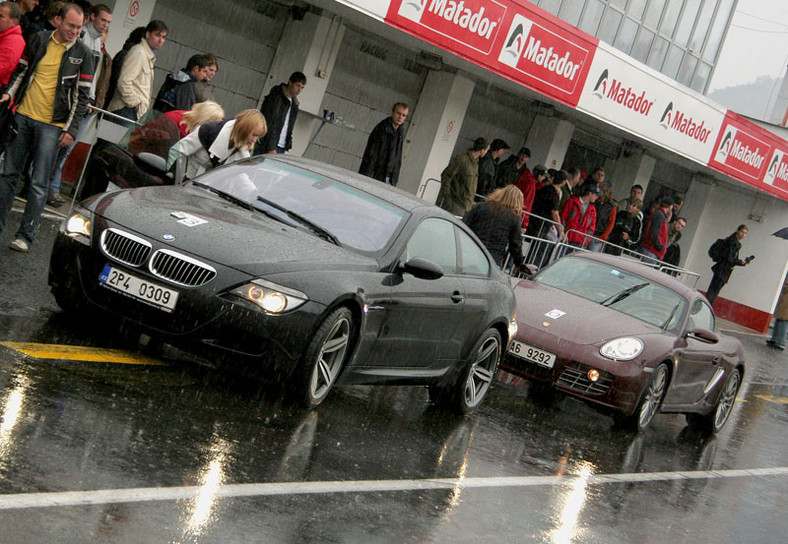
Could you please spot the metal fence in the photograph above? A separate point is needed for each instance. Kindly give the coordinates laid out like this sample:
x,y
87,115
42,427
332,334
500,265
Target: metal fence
x,y
546,248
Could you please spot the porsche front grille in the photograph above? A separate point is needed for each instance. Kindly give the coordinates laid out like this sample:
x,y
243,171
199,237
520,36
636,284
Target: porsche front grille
x,y
180,269
575,377
124,247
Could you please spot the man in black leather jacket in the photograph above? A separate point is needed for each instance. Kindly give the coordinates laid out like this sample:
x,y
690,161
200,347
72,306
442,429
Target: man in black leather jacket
x,y
280,109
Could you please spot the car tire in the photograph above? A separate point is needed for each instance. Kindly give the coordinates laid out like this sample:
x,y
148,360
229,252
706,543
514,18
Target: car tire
x,y
326,355
469,390
67,301
650,402
715,420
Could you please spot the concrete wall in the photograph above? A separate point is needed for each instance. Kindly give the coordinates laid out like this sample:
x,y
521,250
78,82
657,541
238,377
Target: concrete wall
x,y
244,40
494,113
370,76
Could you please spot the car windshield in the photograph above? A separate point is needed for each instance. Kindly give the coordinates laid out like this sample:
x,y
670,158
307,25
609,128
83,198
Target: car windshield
x,y
624,291
329,208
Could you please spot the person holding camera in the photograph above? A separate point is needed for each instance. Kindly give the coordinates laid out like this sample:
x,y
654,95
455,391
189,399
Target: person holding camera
x,y
725,253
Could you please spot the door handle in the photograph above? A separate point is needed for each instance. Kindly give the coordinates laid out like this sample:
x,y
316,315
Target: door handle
x,y
457,297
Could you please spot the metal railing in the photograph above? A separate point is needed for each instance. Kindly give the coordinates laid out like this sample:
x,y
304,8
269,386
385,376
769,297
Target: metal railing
x,y
543,250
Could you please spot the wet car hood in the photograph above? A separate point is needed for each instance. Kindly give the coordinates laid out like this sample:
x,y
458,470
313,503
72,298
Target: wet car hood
x,y
570,318
206,225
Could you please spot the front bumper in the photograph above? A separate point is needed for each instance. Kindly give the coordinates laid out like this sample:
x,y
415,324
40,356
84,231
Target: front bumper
x,y
618,386
206,321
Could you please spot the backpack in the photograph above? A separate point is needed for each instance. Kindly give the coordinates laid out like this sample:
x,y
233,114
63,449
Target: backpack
x,y
165,100
716,251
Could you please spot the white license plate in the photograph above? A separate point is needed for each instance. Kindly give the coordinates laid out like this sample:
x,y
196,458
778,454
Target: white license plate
x,y
532,354
150,293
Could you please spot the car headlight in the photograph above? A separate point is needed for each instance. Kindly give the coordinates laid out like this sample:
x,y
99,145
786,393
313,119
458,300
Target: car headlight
x,y
622,349
270,297
78,225
512,327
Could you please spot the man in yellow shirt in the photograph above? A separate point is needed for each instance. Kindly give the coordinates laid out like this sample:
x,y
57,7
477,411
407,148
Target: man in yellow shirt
x,y
51,85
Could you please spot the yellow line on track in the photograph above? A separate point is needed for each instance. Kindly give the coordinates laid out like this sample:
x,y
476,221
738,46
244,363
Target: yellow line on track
x,y
81,353
769,398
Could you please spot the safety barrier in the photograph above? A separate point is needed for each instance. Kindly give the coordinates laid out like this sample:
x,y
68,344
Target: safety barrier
x,y
543,250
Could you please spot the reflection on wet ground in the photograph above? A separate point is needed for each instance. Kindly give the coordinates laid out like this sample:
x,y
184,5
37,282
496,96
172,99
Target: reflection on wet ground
x,y
72,426
178,453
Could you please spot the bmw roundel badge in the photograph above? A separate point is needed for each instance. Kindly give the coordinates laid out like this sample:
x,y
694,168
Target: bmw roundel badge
x,y
168,237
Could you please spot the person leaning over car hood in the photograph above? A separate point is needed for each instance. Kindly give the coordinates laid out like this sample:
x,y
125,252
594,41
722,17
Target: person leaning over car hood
x,y
219,142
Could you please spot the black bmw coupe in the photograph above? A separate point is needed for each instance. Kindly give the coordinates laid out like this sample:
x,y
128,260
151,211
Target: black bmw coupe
x,y
304,273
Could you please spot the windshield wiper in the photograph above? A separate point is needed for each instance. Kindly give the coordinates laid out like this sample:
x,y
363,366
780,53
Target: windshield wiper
x,y
317,229
226,196
621,295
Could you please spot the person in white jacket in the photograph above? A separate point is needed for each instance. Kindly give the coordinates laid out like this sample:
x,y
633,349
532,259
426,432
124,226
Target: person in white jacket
x,y
220,142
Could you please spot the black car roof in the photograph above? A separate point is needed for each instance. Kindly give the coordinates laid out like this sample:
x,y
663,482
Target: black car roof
x,y
637,267
385,192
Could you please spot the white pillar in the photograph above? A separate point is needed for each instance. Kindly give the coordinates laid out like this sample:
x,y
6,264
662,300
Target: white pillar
x,y
632,168
435,126
309,45
548,141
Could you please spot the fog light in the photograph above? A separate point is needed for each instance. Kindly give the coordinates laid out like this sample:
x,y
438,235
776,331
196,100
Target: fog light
x,y
593,375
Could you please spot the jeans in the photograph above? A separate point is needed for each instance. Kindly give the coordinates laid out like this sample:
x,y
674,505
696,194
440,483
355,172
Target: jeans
x,y
54,188
40,140
780,331
654,258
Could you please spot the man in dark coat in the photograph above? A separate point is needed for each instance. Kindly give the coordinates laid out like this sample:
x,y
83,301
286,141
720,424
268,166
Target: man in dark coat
x,y
280,109
488,165
728,258
383,154
673,253
510,169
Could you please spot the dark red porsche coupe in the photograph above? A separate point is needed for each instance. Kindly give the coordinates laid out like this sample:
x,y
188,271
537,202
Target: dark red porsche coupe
x,y
625,338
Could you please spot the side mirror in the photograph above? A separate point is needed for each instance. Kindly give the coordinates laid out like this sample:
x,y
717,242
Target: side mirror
x,y
153,160
704,334
423,269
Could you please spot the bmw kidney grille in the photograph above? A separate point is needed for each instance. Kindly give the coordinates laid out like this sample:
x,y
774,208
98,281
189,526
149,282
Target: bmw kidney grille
x,y
166,264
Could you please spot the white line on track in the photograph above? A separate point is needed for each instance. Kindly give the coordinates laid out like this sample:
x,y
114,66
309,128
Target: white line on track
x,y
149,494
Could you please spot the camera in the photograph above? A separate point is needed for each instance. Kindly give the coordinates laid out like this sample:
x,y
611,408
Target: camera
x,y
748,259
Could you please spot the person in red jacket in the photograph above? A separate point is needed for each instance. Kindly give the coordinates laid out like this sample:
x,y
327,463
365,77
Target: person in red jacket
x,y
579,215
12,44
655,233
526,182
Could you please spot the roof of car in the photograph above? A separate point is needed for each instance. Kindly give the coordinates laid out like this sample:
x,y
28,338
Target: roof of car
x,y
397,197
637,267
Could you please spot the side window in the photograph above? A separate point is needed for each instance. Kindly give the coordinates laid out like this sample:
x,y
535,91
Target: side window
x,y
434,240
701,316
473,260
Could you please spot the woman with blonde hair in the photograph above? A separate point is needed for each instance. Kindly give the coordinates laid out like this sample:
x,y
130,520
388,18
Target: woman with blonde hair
x,y
497,223
219,142
201,113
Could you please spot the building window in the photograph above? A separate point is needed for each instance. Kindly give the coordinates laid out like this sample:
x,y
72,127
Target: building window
x,y
672,61
570,12
626,36
609,26
635,9
687,69
717,31
643,44
653,13
669,18
686,23
701,79
657,54
702,25
592,15
550,5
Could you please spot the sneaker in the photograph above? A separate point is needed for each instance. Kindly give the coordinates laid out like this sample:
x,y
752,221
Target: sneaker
x,y
54,202
57,197
19,245
771,342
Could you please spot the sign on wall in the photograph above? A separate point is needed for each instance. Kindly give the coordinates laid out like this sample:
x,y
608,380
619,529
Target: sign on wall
x,y
521,42
528,46
643,102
